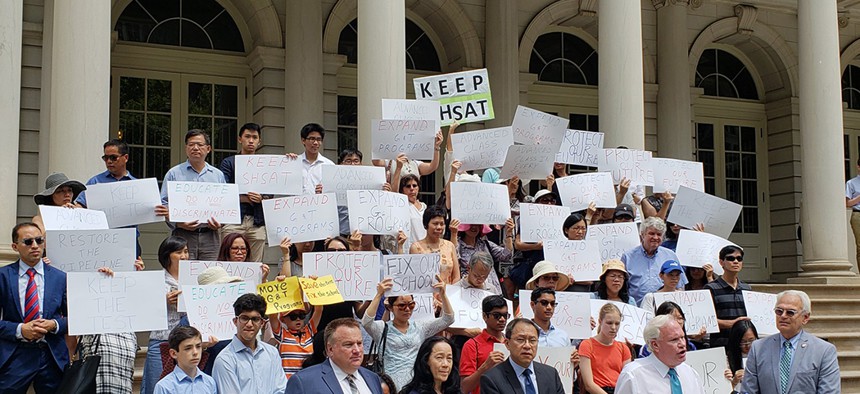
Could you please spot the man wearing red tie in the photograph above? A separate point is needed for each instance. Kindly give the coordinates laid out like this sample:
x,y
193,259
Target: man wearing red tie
x,y
33,323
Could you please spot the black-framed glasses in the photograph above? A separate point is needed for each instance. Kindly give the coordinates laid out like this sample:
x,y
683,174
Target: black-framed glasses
x,y
786,312
111,157
29,241
245,319
297,316
545,303
499,315
314,139
734,258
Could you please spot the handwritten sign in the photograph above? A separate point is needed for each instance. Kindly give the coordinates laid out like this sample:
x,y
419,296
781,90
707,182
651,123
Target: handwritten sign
x,y
101,304
281,296
577,191
528,161
695,249
412,273
189,270
556,357
613,239
190,201
541,221
627,163
378,212
463,96
60,218
669,174
415,138
633,320
533,127
573,313
210,307
580,260
340,179
355,273
483,148
466,304
580,148
268,174
423,307
759,308
323,291
126,203
89,250
308,217
480,203
698,307
710,364
692,206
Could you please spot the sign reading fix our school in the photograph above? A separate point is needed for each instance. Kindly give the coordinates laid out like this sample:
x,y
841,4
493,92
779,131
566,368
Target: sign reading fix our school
x,y
268,174
463,96
411,273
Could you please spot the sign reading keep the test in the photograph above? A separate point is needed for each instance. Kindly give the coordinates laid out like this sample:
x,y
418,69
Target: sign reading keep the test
x,y
126,203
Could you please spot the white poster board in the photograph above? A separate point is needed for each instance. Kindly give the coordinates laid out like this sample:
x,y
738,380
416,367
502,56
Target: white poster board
x,y
414,138
412,273
614,238
60,218
89,250
533,127
200,201
669,174
268,174
580,148
355,273
710,364
466,304
463,96
528,161
480,203
577,191
405,109
126,203
100,304
698,307
378,212
482,148
691,207
759,308
695,249
627,163
633,320
580,260
189,270
308,217
573,313
539,222
210,307
340,179
423,307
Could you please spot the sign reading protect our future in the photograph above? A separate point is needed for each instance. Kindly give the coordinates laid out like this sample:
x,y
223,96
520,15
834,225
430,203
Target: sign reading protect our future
x,y
463,96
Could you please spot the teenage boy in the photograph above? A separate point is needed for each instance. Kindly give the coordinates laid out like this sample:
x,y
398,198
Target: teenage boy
x,y
186,346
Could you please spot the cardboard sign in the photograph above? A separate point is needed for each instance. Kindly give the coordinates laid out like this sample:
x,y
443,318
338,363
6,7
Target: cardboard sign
x,y
669,174
189,270
541,221
423,307
355,273
614,238
698,307
89,250
404,109
691,207
480,203
60,218
268,174
126,203
556,357
695,249
710,364
210,307
308,217
633,320
759,308
322,291
190,201
528,161
412,273
577,191
580,260
414,138
463,96
340,179
483,148
627,163
466,304
378,212
281,296
573,313
580,148
101,304
533,127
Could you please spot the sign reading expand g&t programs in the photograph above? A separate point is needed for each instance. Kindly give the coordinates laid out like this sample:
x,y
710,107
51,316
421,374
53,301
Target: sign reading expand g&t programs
x,y
542,221
89,250
378,212
190,201
102,304
462,96
308,217
533,127
126,203
414,138
268,174
578,259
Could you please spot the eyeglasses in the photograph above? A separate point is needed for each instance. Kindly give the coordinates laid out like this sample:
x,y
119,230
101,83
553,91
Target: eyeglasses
x,y
245,319
313,139
406,305
111,157
545,200
578,228
196,144
297,316
786,312
499,315
238,248
29,241
746,343
545,303
351,161
523,340
733,258
550,277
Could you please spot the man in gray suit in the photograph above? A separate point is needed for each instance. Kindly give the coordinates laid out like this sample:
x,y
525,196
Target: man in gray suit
x,y
793,361
520,375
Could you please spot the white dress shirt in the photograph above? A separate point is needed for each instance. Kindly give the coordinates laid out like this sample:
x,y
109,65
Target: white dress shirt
x,y
312,172
362,386
650,375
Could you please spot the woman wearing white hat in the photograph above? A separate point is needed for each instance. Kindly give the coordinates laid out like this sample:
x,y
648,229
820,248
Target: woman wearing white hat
x,y
548,276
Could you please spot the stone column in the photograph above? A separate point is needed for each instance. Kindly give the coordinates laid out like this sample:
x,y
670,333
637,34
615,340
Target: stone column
x,y
825,253
80,87
303,80
381,61
503,59
621,88
674,124
11,30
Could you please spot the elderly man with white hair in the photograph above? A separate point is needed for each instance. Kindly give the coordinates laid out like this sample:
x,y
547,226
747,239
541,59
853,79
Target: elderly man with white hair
x,y
664,370
644,261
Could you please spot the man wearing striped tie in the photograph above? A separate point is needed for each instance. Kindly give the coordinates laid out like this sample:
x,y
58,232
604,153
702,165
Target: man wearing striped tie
x,y
33,323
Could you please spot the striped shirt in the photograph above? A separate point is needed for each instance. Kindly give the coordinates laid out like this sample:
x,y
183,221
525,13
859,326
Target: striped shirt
x,y
294,348
728,303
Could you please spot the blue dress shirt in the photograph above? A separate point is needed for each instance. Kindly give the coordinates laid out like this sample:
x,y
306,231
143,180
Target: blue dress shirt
x,y
238,369
179,382
644,270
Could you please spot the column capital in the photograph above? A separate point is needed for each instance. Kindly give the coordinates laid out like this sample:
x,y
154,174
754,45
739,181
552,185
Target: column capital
x,y
265,57
747,15
842,19
658,4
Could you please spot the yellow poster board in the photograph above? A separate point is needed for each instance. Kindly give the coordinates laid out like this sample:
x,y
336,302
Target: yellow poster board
x,y
281,296
322,291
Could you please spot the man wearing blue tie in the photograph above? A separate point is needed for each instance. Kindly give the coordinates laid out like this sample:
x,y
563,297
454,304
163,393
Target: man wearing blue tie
x,y
33,324
520,374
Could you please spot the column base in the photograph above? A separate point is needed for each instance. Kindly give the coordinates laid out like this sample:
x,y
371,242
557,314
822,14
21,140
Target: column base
x,y
826,271
7,255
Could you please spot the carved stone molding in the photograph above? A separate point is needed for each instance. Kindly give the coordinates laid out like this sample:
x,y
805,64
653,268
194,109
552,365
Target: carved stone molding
x,y
746,18
588,7
658,4
843,19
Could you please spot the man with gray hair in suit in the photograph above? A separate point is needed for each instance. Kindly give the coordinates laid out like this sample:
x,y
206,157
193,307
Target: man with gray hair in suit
x,y
793,361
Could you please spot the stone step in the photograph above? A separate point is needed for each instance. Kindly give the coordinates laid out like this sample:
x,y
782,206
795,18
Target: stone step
x,y
835,307
844,291
849,360
844,341
850,381
820,325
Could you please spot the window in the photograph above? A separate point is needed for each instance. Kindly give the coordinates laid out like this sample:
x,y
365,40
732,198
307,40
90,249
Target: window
x,y
347,123
214,108
420,52
721,74
565,58
851,87
185,23
144,124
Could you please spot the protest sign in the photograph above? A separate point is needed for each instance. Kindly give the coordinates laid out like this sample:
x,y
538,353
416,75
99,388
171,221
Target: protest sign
x,y
308,217
580,260
463,96
695,249
614,239
412,273
698,307
542,221
710,364
580,190
627,163
480,203
466,304
378,212
483,148
60,218
210,307
102,304
126,203
669,174
355,273
268,174
200,201
692,207
414,138
580,148
89,250
189,270
340,179
533,127
405,109
281,296
322,291
573,313
633,320
528,161
759,308
423,307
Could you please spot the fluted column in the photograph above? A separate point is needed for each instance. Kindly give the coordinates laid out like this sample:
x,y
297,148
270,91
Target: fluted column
x,y
502,59
303,82
674,124
11,23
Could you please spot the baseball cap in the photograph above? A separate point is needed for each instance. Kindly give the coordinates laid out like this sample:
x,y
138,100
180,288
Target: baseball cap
x,y
624,210
671,265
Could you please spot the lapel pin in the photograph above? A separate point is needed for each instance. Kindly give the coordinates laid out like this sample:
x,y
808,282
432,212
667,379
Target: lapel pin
x,y
803,345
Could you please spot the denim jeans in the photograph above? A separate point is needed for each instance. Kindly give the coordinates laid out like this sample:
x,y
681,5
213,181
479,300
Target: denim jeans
x,y
152,367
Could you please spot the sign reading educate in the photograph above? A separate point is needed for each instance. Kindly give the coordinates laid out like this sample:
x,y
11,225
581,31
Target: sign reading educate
x,y
200,201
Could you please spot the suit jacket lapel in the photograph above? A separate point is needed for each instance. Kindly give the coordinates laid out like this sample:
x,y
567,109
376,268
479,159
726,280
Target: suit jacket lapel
x,y
329,378
799,353
512,377
775,345
13,286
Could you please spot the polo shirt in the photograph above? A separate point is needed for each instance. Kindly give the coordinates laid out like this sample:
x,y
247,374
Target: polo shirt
x,y
104,177
728,303
475,352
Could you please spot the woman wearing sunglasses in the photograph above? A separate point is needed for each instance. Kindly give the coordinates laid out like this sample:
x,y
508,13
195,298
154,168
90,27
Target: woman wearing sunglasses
x,y
295,336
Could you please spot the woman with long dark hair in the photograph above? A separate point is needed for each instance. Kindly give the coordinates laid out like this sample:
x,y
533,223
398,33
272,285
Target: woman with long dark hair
x,y
613,283
741,337
436,368
235,247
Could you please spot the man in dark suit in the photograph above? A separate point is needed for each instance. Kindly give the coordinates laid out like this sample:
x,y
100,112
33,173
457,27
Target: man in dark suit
x,y
342,372
521,375
33,323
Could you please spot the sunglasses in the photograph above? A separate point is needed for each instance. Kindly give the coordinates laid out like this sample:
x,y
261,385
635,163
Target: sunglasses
x,y
111,157
734,258
545,303
297,316
29,241
550,277
499,315
406,305
786,312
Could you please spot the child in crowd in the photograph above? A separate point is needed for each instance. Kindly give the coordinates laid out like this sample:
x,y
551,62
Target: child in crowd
x,y
186,346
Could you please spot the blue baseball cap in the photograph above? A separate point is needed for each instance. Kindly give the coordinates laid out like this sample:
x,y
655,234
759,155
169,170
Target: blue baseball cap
x,y
671,265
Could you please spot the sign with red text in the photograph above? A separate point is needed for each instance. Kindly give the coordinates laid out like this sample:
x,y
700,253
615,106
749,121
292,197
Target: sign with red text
x,y
533,127
466,304
480,203
482,148
355,273
669,174
268,174
61,218
189,270
695,249
580,190
573,313
692,207
698,307
200,201
759,307
405,109
321,291
89,250
627,163
633,320
580,260
102,304
339,179
539,222
412,273
307,217
710,364
614,239
580,148
126,203
528,161
378,212
210,307
414,138
463,96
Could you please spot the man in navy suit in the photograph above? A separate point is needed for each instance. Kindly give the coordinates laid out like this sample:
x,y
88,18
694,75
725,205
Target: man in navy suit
x,y
341,373
33,322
